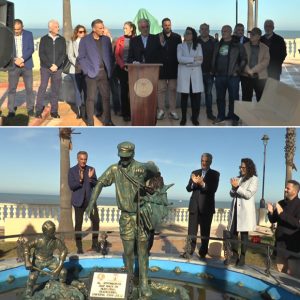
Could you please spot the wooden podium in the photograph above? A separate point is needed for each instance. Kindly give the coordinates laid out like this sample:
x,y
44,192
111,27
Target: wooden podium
x,y
143,81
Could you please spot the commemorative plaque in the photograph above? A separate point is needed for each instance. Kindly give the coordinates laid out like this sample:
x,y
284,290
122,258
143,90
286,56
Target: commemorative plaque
x,y
112,286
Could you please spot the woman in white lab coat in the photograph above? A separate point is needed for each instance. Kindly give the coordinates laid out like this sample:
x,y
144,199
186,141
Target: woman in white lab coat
x,y
190,80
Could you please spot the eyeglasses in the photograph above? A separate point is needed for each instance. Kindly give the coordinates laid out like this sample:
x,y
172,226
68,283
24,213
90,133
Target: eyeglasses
x,y
81,31
243,168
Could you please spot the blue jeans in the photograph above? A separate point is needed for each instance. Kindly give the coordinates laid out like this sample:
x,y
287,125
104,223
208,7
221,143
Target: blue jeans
x,y
208,82
222,84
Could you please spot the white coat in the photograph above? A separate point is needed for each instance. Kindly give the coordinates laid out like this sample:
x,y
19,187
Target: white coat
x,y
245,197
73,54
188,70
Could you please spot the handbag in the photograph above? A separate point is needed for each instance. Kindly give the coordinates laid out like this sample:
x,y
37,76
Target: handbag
x,y
66,65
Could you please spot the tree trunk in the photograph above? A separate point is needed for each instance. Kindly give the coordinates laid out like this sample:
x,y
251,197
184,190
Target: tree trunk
x,y
65,220
67,20
290,146
250,20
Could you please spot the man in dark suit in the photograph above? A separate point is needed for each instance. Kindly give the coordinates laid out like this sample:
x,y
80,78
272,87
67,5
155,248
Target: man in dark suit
x,y
238,34
23,65
203,184
96,60
277,48
82,179
144,48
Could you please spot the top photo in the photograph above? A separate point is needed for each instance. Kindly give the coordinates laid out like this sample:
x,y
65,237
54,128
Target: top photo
x,y
88,63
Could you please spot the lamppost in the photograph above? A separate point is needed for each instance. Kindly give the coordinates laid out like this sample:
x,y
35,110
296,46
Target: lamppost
x,y
236,11
262,203
265,140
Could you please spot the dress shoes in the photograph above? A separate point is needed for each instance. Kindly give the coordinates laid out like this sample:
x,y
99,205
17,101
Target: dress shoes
x,y
110,123
55,115
11,114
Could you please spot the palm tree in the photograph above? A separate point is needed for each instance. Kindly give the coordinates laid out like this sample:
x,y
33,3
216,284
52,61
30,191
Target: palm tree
x,y
65,221
67,20
290,147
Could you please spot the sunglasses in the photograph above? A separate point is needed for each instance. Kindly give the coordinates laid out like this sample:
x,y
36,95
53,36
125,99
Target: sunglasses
x,y
81,31
243,168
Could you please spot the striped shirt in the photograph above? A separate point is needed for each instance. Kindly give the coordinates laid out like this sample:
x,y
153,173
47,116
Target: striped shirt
x,y
19,45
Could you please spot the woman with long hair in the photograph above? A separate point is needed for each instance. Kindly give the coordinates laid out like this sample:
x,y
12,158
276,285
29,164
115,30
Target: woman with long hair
x,y
121,54
75,70
243,212
190,80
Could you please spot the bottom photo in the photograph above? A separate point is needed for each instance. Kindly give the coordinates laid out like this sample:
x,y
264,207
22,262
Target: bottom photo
x,y
144,213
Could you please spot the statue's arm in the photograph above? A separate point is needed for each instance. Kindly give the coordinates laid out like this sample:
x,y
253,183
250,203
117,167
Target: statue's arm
x,y
106,179
27,247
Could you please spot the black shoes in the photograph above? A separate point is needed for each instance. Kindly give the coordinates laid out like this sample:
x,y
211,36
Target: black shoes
x,y
30,113
183,122
79,251
241,261
11,114
38,114
127,118
55,115
195,122
110,123
218,121
211,117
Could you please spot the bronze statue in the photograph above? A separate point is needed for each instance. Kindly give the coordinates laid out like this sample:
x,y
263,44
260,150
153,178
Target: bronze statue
x,y
42,257
134,199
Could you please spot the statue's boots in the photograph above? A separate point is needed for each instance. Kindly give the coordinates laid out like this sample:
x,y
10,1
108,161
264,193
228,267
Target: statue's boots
x,y
145,289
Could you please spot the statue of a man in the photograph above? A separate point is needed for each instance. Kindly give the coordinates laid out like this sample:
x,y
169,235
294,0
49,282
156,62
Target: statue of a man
x,y
129,177
42,257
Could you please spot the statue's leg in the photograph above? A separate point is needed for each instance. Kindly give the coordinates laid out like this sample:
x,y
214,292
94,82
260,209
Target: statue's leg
x,y
33,275
128,246
143,268
63,273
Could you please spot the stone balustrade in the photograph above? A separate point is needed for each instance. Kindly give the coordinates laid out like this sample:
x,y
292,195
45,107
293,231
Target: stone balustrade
x,y
293,48
15,216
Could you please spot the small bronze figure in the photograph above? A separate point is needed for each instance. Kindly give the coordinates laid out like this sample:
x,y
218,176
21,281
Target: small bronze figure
x,y
42,257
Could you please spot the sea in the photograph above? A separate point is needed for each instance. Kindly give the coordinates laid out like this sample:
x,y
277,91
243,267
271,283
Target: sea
x,y
287,34
104,201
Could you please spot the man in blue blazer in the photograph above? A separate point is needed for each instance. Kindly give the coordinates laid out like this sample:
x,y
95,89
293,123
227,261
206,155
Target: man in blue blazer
x,y
23,65
82,179
96,60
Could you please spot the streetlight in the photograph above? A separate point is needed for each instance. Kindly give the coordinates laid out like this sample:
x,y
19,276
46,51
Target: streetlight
x,y
236,11
265,140
262,203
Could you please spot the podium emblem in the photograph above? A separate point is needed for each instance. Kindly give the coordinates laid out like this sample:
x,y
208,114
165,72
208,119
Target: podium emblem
x,y
143,87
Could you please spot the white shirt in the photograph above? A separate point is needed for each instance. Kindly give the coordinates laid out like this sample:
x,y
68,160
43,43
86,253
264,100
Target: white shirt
x,y
19,46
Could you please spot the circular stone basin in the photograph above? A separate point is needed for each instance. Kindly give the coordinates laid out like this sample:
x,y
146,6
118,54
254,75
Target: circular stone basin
x,y
199,280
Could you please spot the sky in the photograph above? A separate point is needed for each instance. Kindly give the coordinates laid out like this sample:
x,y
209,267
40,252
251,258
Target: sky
x,y
36,13
30,156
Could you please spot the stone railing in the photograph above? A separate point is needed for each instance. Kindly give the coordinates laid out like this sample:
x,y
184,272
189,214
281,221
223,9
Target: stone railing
x,y
15,214
293,48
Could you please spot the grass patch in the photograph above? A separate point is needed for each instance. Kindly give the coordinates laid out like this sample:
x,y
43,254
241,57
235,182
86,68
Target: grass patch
x,y
21,118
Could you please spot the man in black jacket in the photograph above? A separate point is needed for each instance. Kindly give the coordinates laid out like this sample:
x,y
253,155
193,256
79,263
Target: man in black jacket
x,y
228,62
144,48
277,49
203,184
52,52
168,72
287,215
208,44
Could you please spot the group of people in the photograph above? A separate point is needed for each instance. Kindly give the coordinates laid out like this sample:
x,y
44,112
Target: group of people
x,y
190,66
203,185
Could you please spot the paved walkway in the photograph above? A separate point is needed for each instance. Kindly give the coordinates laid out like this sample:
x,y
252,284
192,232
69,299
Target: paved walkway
x,y
290,76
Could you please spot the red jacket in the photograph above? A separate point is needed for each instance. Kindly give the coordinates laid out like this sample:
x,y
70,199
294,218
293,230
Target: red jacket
x,y
119,52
